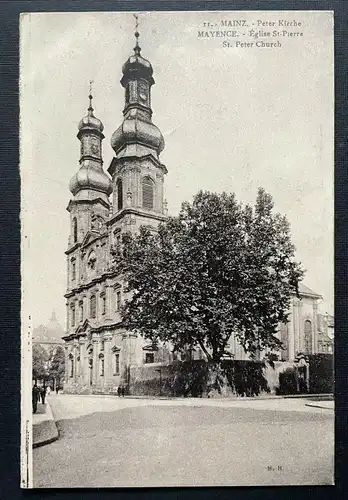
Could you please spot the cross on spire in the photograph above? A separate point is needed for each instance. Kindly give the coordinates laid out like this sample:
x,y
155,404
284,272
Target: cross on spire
x,y
90,97
137,49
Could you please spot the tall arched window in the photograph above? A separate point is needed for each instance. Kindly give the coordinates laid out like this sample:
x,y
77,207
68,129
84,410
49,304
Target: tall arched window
x,y
148,193
119,194
93,306
73,314
308,336
73,268
71,358
75,229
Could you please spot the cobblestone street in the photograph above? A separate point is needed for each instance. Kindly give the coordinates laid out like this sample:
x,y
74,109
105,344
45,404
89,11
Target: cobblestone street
x,y
112,442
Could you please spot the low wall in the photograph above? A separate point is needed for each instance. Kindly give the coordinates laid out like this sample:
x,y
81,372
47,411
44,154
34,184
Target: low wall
x,y
201,379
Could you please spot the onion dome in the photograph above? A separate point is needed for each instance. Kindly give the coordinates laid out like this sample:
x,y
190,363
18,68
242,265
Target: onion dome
x,y
137,66
137,130
91,176
90,121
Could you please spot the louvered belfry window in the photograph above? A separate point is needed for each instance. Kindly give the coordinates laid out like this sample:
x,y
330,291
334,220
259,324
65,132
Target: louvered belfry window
x,y
93,306
147,193
119,194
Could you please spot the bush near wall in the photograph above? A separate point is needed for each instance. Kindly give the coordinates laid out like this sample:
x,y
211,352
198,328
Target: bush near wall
x,y
198,378
287,382
321,373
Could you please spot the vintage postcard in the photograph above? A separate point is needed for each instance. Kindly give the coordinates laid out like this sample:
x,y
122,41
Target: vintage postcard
x,y
177,248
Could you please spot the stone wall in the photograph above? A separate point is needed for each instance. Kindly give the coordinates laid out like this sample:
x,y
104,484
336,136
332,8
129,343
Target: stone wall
x,y
201,379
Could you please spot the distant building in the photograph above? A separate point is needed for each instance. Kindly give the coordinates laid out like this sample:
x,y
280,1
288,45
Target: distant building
x,y
49,335
326,327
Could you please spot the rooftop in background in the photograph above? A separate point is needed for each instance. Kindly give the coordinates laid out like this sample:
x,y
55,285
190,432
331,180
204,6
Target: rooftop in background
x,y
305,290
52,333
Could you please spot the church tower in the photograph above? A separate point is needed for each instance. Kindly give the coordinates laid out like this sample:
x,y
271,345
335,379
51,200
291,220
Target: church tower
x,y
91,187
99,350
136,170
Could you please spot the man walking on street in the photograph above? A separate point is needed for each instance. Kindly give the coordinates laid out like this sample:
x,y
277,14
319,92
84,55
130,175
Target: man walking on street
x,y
43,394
35,397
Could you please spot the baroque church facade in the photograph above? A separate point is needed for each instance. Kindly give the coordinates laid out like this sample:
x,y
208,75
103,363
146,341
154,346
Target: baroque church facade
x,y
99,351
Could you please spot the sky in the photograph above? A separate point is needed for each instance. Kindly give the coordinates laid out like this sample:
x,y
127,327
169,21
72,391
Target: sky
x,y
234,119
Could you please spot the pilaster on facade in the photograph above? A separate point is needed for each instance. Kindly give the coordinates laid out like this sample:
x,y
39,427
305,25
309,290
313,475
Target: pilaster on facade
x,y
315,327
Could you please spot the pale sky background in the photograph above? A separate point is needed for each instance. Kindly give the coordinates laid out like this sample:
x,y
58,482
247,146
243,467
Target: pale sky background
x,y
233,119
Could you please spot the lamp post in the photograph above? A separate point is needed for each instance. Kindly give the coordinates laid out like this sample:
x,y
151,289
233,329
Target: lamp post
x,y
158,370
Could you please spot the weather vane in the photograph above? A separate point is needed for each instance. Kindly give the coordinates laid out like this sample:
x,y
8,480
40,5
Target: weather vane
x,y
90,94
136,33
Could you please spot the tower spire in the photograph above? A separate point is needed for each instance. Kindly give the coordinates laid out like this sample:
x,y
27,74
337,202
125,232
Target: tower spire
x,y
137,48
90,97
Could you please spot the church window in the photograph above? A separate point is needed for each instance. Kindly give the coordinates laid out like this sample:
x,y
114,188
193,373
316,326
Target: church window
x,y
149,357
148,193
73,315
75,229
117,364
101,359
119,194
71,365
81,309
103,303
118,300
73,269
308,337
93,306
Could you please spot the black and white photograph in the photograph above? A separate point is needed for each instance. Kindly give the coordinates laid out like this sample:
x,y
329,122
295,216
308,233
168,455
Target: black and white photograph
x,y
177,248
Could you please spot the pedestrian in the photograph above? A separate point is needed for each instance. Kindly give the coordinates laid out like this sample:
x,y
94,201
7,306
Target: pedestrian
x,y
119,391
57,389
123,391
48,390
43,394
35,397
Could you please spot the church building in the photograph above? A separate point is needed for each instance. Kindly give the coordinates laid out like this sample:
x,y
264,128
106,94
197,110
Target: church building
x,y
99,351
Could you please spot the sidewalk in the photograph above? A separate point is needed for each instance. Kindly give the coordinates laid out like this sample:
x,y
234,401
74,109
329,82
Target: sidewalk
x,y
44,427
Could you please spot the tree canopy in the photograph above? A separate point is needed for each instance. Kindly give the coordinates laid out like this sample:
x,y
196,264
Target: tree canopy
x,y
57,363
40,362
219,267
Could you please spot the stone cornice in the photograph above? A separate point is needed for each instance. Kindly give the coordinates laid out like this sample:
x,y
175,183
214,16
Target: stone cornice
x,y
117,161
136,211
88,202
72,249
90,284
93,330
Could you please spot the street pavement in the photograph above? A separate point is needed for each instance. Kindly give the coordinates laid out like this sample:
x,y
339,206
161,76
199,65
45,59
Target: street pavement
x,y
107,441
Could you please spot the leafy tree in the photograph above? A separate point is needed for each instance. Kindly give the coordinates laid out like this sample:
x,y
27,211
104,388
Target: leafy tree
x,y
40,362
57,364
217,268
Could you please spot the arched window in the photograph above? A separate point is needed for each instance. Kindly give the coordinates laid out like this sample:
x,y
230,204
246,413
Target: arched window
x,y
119,194
73,269
75,229
103,302
148,193
81,310
71,358
73,315
93,306
308,337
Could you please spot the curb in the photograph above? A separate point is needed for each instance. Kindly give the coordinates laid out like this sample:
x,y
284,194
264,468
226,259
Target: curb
x,y
47,429
317,406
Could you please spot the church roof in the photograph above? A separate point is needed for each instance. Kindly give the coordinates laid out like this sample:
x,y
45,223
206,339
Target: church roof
x,y
306,291
52,332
